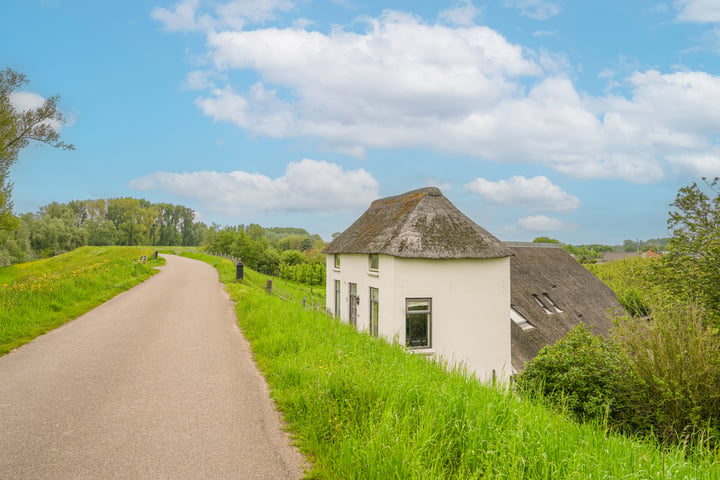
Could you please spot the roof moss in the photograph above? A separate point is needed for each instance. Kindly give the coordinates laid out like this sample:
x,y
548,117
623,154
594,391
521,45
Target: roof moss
x,y
418,224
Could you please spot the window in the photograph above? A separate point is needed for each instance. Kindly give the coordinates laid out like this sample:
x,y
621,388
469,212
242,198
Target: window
x,y
550,301
337,260
519,320
418,314
540,302
374,310
374,262
337,298
352,304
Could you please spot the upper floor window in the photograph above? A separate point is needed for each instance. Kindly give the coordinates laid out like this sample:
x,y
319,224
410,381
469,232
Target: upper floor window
x,y
374,262
337,260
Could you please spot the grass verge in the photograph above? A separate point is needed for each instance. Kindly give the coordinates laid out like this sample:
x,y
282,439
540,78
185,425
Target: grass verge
x,y
38,296
361,408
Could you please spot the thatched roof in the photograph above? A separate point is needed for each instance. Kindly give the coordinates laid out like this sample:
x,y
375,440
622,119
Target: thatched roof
x,y
417,224
551,274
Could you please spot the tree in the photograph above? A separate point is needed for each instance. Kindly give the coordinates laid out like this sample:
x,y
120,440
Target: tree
x,y
17,130
691,269
545,240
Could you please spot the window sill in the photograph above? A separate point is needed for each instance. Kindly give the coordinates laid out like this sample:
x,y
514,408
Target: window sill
x,y
373,274
336,269
421,351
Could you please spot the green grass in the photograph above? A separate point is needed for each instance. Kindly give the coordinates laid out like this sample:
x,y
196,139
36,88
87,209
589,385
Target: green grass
x,y
361,408
294,292
38,296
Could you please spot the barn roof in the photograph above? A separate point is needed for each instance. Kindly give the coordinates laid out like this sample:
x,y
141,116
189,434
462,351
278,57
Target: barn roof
x,y
569,293
417,224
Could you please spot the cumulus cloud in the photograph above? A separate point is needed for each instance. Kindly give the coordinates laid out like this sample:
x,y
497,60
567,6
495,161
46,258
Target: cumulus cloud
x,y
403,82
698,11
189,15
536,9
541,223
308,185
463,12
24,100
537,193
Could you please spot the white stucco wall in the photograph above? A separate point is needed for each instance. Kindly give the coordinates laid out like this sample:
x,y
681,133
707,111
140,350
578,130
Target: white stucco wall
x,y
470,305
355,269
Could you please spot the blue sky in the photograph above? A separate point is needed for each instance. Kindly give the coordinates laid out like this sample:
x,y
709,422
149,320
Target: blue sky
x,y
575,120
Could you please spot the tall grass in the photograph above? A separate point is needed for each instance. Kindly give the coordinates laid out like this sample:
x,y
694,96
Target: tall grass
x,y
38,296
363,408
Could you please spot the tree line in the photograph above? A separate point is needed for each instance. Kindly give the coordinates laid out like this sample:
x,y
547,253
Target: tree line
x,y
591,253
60,227
289,253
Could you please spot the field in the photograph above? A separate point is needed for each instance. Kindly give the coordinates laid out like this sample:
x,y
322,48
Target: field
x,y
360,407
38,296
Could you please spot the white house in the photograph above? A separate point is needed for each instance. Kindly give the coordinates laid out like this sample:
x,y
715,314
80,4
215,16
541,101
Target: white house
x,y
415,270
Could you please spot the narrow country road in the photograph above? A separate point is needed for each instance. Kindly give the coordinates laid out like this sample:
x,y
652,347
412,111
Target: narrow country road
x,y
157,383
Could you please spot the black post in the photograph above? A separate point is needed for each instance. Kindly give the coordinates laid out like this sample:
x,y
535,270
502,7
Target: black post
x,y
239,270
155,255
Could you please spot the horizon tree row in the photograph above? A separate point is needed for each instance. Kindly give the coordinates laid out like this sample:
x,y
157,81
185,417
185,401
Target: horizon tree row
x,y
289,253
57,228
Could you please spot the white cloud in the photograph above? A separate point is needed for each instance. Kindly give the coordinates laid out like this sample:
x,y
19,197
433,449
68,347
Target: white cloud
x,y
189,15
467,90
463,13
308,185
698,11
537,193
182,18
23,101
541,223
545,33
26,100
536,9
202,80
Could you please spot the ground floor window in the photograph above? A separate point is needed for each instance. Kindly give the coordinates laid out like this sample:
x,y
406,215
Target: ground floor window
x,y
353,304
374,310
418,321
337,298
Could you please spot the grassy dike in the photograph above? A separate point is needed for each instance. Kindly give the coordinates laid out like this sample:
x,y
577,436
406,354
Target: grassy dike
x,y
38,296
361,408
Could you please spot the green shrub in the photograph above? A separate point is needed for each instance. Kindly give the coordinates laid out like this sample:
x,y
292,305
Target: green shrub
x,y
672,385
579,373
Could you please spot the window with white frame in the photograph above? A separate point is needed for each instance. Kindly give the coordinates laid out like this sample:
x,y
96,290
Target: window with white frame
x,y
418,322
373,262
374,311
336,259
337,298
520,320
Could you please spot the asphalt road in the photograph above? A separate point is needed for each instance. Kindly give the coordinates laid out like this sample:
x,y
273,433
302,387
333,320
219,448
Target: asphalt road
x,y
157,383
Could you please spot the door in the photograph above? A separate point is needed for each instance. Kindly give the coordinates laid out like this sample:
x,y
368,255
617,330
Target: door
x,y
352,316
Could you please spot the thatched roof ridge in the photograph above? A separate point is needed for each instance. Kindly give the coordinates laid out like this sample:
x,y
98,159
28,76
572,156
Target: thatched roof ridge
x,y
418,224
546,269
